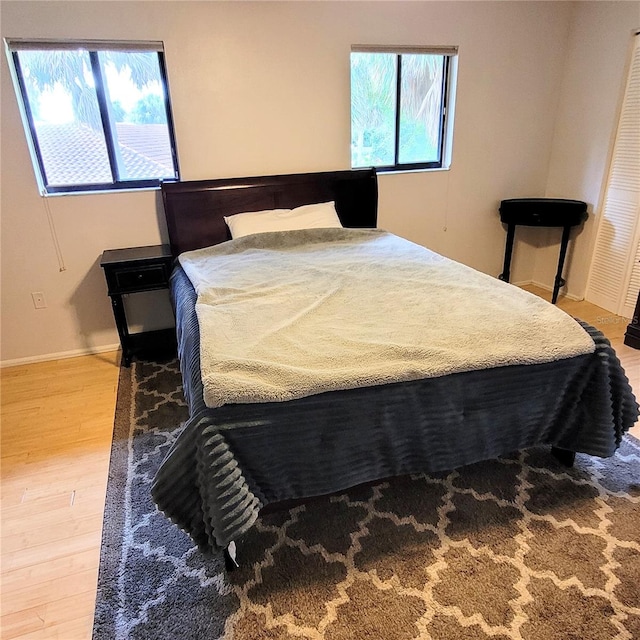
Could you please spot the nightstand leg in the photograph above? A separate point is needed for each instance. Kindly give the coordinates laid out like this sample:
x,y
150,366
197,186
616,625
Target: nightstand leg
x,y
121,324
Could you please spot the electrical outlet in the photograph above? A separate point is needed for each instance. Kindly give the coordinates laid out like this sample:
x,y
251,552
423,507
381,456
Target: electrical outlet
x,y
38,300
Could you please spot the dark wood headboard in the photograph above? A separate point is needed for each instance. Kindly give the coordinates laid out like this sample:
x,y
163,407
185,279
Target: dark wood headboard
x,y
195,210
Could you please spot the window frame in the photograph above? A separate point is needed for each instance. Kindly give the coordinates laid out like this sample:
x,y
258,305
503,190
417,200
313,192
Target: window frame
x,y
93,48
447,93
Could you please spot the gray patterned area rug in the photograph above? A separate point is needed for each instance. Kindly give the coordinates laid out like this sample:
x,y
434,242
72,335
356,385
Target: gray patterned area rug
x,y
516,548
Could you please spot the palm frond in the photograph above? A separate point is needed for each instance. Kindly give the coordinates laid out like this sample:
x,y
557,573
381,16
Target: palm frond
x,y
422,91
43,70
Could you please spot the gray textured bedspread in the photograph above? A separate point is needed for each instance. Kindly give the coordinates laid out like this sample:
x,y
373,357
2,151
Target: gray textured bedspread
x,y
230,461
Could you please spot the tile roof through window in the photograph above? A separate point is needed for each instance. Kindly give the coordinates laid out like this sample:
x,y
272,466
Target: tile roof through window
x,y
76,154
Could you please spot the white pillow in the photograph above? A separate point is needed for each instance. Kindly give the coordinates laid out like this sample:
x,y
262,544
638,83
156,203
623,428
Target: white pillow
x,y
309,216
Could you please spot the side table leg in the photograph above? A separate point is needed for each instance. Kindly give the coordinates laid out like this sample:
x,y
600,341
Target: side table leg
x,y
508,250
559,281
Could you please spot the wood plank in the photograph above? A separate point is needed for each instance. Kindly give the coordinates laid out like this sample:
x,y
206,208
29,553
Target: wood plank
x,y
76,629
48,571
51,531
48,551
14,625
61,587
55,619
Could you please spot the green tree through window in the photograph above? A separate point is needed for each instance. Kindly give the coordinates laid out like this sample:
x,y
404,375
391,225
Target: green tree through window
x,y
398,108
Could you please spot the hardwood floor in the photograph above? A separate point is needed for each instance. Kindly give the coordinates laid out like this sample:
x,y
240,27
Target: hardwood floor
x,y
57,420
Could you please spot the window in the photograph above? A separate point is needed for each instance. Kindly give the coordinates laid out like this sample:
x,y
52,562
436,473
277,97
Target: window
x,y
96,114
401,101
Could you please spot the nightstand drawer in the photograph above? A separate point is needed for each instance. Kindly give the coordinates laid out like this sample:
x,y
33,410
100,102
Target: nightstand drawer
x,y
140,278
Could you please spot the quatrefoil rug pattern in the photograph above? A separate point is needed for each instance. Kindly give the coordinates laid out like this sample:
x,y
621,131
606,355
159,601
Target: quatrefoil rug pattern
x,y
517,548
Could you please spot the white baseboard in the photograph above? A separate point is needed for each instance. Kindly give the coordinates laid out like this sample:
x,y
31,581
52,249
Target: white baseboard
x,y
89,351
546,287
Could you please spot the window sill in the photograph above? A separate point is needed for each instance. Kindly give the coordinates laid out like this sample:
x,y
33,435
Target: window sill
x,y
384,172
94,192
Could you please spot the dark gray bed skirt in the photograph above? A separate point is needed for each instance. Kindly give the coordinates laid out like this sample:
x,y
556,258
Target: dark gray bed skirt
x,y
231,461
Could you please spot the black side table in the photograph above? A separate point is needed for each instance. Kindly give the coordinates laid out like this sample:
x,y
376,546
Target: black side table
x,y
135,270
541,212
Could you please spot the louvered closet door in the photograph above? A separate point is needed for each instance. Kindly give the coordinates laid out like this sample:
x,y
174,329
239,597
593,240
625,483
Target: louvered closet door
x,y
614,279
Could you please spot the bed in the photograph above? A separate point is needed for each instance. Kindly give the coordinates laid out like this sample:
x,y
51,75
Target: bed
x,y
232,461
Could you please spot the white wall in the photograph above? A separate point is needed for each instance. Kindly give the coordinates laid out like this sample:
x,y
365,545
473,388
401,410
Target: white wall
x,y
264,88
599,49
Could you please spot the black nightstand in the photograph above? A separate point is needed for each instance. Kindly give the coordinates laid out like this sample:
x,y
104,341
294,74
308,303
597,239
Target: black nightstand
x,y
136,270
